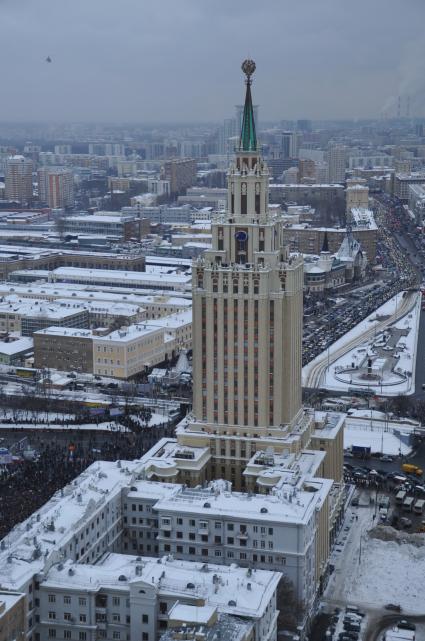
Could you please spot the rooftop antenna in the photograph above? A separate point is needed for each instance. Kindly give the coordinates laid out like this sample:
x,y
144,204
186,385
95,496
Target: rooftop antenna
x,y
408,107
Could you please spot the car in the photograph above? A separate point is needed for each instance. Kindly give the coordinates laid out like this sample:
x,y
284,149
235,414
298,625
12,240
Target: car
x,y
405,522
406,625
387,459
393,607
355,501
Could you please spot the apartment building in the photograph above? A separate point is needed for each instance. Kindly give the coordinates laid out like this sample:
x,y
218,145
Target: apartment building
x,y
64,348
12,616
283,532
136,597
56,187
78,582
18,179
180,173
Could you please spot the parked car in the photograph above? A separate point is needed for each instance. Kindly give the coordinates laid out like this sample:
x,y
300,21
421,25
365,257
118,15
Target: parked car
x,y
393,607
406,625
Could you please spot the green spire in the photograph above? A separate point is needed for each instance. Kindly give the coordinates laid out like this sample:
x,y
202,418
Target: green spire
x,y
248,139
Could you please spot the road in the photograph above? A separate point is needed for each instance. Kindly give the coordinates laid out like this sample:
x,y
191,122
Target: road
x,y
316,374
346,556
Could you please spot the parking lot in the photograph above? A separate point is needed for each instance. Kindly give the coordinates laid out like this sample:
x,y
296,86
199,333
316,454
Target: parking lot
x,y
385,485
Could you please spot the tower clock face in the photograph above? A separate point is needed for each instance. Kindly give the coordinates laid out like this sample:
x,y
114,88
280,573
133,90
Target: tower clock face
x,y
241,236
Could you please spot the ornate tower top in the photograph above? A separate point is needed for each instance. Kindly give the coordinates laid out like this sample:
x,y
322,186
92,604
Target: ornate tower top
x,y
248,139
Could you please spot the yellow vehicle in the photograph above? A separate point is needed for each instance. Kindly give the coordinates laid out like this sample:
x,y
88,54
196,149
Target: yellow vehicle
x,y
409,468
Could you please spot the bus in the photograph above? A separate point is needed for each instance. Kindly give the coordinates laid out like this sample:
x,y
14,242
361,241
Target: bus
x,y
26,372
408,504
418,507
400,496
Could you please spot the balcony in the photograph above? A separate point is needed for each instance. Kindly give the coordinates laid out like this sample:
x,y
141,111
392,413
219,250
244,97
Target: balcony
x,y
242,535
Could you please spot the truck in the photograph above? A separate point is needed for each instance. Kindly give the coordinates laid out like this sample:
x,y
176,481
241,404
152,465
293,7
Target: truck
x,y
408,504
360,451
409,468
383,501
400,496
418,506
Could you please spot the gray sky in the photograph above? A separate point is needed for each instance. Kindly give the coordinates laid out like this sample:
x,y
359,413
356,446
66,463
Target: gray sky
x,y
179,60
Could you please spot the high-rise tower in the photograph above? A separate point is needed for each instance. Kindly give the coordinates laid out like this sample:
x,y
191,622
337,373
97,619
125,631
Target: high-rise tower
x,y
247,305
19,179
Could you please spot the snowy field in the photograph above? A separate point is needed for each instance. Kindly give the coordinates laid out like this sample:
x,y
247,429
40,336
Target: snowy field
x,y
389,572
376,438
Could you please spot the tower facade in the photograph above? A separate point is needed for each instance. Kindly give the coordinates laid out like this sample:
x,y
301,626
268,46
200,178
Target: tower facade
x,y
247,305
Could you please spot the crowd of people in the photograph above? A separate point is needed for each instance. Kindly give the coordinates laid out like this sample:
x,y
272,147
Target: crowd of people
x,y
59,457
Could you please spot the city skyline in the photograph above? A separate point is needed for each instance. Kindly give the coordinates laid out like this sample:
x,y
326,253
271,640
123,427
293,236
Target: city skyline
x,y
148,64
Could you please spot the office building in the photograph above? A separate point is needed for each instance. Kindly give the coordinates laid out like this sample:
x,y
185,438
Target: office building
x,y
289,144
18,179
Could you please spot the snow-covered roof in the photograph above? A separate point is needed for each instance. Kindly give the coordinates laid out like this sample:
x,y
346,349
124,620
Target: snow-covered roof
x,y
229,593
23,344
71,332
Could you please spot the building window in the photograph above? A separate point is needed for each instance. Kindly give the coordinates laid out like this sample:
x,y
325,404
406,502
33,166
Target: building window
x,y
52,598
52,633
145,618
52,615
67,599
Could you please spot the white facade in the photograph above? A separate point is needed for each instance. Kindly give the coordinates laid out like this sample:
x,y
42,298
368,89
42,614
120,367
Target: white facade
x,y
130,598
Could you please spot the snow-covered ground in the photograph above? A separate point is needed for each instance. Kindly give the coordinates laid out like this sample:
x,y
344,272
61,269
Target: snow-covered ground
x,y
381,432
370,572
376,438
389,572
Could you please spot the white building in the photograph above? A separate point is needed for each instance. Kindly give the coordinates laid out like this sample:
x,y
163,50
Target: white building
x,y
57,559
128,597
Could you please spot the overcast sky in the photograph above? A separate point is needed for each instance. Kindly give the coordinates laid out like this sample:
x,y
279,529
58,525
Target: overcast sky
x,y
179,60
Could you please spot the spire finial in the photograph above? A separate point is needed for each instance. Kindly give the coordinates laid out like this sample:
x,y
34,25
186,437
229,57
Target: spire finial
x,y
248,140
248,67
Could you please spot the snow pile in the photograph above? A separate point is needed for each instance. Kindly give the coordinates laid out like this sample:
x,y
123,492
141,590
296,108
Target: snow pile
x,y
386,533
388,572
